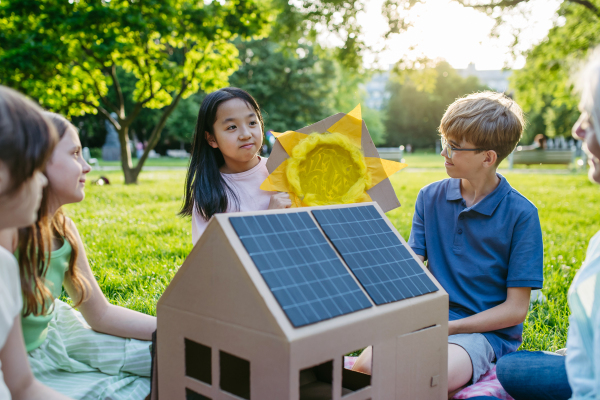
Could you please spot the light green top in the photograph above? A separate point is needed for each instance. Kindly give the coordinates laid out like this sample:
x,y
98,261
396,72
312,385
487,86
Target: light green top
x,y
35,328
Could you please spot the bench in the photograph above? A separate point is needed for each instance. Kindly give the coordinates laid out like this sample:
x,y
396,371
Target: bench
x,y
178,153
530,157
391,153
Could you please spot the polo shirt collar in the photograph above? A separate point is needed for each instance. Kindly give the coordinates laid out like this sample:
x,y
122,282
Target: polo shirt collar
x,y
488,205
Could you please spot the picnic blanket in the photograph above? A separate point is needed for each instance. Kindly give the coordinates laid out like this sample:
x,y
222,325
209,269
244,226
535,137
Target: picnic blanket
x,y
488,384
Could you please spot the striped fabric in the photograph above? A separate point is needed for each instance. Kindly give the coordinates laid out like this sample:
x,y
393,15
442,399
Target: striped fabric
x,y
84,364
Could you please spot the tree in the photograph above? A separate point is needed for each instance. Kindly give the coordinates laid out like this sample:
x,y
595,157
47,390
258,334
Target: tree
x,y
544,87
298,88
173,48
419,100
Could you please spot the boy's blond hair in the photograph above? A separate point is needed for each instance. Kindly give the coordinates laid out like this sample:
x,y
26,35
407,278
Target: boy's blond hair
x,y
488,120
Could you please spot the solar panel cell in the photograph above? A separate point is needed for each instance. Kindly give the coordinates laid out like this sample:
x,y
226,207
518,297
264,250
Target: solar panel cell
x,y
303,272
376,256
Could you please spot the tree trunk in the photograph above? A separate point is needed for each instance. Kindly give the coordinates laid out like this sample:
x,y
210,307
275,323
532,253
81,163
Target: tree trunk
x,y
129,172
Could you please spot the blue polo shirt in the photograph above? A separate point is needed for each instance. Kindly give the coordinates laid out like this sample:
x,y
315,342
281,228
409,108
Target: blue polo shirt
x,y
477,252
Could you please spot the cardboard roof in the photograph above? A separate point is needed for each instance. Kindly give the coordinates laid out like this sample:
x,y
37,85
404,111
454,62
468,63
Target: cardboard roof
x,y
220,281
383,193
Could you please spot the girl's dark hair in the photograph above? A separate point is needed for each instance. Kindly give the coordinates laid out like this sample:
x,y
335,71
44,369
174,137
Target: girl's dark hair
x,y
27,138
35,242
205,188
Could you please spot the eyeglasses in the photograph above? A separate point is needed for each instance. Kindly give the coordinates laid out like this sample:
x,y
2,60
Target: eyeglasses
x,y
450,149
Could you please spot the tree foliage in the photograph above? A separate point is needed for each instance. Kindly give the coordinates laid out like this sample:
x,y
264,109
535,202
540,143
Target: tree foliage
x,y
418,101
173,48
545,86
298,88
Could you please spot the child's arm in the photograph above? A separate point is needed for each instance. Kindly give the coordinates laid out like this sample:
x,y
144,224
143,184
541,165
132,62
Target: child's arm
x,y
99,313
17,374
510,313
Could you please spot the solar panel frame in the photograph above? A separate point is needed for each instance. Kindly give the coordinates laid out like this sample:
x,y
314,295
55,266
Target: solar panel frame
x,y
300,266
374,253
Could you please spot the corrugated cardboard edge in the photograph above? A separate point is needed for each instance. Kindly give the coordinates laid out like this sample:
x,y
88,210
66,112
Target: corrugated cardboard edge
x,y
383,193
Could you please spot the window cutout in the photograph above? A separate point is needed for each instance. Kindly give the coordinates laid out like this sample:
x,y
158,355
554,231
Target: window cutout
x,y
191,395
198,361
315,382
235,375
353,381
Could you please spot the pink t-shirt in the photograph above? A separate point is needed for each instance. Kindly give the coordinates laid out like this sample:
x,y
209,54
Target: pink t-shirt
x,y
247,187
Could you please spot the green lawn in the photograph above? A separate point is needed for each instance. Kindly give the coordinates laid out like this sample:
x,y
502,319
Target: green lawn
x,y
414,160
135,241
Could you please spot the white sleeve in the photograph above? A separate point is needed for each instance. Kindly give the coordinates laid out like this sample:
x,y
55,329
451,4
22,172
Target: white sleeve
x,y
199,224
583,355
11,301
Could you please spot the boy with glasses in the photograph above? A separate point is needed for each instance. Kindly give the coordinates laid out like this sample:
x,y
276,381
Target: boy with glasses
x,y
481,238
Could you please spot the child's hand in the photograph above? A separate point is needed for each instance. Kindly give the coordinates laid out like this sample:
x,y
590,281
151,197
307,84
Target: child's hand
x,y
280,200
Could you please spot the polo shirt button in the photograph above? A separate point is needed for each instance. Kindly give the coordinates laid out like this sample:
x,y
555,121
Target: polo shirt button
x,y
460,231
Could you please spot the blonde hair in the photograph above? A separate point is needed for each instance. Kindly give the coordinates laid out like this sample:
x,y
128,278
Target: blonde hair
x,y
35,241
589,87
488,120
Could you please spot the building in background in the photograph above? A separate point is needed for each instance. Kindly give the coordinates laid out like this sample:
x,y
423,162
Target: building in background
x,y
376,88
378,94
496,79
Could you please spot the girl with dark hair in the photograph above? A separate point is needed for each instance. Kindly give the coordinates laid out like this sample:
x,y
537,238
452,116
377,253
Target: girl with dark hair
x,y
225,171
91,353
26,142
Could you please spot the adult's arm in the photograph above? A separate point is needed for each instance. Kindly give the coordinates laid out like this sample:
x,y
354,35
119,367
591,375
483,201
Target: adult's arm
x,y
509,313
16,370
98,312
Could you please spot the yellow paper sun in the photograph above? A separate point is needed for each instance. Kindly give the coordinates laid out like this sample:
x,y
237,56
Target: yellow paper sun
x,y
328,168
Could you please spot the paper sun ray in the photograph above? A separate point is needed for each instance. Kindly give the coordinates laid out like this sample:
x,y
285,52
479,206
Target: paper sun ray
x,y
327,168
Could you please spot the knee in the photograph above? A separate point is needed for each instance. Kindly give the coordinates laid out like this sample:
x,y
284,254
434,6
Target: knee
x,y
508,368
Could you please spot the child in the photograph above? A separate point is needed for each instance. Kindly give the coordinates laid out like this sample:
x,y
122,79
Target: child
x,y
481,238
226,171
67,350
26,141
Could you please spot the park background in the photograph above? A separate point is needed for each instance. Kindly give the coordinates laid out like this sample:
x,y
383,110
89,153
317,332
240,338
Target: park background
x,y
143,68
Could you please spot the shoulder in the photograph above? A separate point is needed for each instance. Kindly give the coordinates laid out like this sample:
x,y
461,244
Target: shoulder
x,y
436,188
9,239
520,204
70,225
10,286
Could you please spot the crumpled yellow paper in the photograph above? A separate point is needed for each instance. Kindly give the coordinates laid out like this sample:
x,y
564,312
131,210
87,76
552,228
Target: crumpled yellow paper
x,y
328,168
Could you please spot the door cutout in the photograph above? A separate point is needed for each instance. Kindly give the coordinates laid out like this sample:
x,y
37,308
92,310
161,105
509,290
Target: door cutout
x,y
191,395
315,382
353,381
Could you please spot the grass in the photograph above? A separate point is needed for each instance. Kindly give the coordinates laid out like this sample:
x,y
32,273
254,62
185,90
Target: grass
x,y
414,160
135,241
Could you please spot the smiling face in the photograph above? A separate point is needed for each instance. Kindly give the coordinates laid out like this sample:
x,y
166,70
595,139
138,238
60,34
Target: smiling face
x,y
66,171
466,164
237,134
585,130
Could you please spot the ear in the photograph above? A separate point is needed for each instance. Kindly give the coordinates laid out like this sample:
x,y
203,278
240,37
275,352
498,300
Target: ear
x,y
211,140
4,178
490,158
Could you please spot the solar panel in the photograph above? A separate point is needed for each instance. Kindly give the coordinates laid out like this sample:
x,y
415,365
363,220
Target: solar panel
x,y
374,253
298,264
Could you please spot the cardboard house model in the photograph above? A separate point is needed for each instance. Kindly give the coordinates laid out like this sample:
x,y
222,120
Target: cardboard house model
x,y
268,303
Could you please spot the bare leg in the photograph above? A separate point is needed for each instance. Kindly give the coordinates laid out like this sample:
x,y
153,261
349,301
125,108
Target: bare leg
x,y
364,362
460,369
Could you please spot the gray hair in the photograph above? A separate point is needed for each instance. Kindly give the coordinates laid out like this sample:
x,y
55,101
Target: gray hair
x,y
588,86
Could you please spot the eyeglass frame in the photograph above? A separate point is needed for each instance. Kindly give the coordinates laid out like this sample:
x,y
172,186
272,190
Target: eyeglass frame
x,y
449,148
